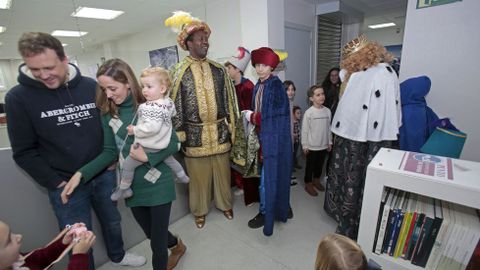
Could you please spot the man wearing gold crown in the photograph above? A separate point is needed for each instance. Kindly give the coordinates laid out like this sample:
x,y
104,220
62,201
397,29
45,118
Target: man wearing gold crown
x,y
368,117
207,109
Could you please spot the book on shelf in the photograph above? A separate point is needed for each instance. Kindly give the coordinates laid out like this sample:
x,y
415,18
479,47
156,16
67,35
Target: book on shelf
x,y
381,214
411,227
442,237
390,223
474,263
428,239
425,231
383,228
467,239
416,229
400,241
397,220
402,238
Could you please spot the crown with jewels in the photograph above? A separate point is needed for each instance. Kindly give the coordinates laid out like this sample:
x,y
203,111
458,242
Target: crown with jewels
x,y
354,46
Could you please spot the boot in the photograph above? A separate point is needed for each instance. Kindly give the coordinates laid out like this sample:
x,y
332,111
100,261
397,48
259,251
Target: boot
x,y
310,189
318,185
175,254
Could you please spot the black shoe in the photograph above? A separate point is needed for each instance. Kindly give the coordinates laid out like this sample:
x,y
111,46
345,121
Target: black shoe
x,y
296,166
293,182
290,213
257,222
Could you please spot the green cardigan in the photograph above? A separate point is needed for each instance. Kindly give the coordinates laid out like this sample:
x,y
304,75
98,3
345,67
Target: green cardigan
x,y
144,192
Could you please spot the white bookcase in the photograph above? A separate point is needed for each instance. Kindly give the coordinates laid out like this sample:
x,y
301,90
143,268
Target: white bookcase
x,y
388,169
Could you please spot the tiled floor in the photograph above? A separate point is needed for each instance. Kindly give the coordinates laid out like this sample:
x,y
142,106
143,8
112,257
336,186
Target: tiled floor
x,y
230,244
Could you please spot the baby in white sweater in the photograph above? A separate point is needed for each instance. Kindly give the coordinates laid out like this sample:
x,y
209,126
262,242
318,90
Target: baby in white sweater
x,y
153,129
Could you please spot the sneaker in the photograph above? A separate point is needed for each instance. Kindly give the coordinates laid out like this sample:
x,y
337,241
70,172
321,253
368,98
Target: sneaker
x,y
131,259
121,194
257,222
183,179
238,192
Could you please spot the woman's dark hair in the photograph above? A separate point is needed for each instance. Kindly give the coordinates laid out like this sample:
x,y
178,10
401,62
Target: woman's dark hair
x,y
287,83
326,84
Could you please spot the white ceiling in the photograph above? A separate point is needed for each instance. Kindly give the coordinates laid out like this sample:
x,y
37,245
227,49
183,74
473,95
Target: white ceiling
x,y
49,15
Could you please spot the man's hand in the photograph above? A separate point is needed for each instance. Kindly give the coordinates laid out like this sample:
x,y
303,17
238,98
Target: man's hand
x,y
70,186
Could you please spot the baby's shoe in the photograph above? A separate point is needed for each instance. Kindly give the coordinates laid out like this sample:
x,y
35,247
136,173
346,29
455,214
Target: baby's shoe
x,y
184,179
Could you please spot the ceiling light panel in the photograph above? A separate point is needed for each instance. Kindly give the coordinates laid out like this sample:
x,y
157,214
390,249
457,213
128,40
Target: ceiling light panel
x,y
68,33
96,13
381,25
5,4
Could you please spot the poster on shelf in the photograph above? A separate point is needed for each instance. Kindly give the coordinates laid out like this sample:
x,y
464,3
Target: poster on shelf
x,y
436,166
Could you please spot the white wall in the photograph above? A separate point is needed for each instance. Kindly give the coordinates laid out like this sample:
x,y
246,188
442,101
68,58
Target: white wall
x,y
222,16
386,36
300,12
442,42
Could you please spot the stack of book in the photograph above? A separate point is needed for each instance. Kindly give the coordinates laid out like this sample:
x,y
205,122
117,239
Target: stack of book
x,y
428,232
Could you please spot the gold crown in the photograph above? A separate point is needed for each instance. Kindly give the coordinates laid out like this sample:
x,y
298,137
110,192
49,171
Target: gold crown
x,y
354,46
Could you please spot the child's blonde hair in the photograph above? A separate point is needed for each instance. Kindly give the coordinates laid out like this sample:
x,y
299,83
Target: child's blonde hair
x,y
162,75
338,252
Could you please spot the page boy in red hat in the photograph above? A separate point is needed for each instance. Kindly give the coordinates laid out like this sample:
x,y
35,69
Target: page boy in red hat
x,y
271,116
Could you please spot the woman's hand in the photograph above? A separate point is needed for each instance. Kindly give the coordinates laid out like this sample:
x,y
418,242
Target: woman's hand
x,y
86,241
305,151
137,153
70,186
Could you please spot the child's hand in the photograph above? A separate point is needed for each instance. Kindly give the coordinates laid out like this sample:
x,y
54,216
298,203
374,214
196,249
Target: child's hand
x,y
329,148
305,151
86,241
73,231
130,129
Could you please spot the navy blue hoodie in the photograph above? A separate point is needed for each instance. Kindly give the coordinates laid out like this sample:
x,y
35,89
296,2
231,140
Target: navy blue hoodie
x,y
53,132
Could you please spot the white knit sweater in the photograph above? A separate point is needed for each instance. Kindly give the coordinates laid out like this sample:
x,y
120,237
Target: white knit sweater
x,y
316,133
154,125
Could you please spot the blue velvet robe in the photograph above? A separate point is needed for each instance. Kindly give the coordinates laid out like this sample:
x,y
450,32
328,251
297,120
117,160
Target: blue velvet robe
x,y
276,143
417,117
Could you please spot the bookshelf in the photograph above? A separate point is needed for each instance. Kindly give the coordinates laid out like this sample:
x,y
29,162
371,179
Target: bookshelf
x,y
416,173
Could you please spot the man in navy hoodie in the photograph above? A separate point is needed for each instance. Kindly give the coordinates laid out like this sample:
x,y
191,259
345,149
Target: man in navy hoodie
x,y
54,129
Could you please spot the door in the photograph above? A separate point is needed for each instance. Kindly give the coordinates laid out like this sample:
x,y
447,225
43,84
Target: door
x,y
299,67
